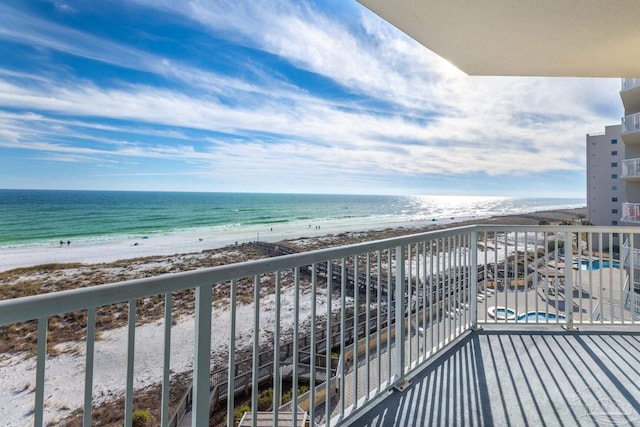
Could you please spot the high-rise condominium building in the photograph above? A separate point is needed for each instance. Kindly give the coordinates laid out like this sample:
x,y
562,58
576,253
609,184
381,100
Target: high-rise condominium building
x,y
630,135
605,188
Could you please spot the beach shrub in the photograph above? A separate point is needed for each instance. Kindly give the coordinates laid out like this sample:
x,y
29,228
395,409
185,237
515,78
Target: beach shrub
x,y
140,417
286,398
543,222
265,399
238,413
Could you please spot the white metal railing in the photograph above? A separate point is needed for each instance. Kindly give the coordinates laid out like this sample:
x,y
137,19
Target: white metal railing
x,y
631,254
631,168
384,307
630,83
532,282
630,123
632,302
630,212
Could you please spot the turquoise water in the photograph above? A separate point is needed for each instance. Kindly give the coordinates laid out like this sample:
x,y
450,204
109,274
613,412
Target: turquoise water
x,y
597,265
505,313
29,217
540,316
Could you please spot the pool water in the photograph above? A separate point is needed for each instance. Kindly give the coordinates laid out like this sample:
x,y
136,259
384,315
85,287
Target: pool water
x,y
505,313
540,316
597,265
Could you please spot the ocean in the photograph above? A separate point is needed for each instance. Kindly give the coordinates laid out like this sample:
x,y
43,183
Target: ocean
x,y
46,217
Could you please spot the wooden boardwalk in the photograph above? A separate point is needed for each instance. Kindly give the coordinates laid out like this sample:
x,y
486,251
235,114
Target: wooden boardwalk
x,y
219,385
244,373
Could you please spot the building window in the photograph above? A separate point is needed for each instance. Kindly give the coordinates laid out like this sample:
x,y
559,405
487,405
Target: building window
x,y
614,141
614,164
614,153
614,211
614,176
614,187
614,222
614,199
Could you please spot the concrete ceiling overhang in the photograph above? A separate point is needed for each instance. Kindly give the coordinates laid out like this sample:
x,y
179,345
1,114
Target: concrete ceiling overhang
x,y
581,38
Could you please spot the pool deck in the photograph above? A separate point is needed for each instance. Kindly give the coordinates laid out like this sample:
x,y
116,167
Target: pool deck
x,y
522,377
604,295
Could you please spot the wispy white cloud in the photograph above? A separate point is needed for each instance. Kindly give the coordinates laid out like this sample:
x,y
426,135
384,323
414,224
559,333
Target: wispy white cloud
x,y
64,7
391,143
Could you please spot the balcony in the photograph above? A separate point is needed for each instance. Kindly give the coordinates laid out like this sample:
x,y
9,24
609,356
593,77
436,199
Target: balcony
x,y
630,213
630,94
630,131
630,83
631,254
631,170
470,325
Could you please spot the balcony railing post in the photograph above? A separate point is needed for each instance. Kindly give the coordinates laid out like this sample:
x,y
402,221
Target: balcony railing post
x,y
231,367
400,383
473,286
202,356
43,326
568,282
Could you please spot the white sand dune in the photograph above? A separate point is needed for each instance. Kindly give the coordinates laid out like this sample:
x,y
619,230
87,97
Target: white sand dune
x,y
64,389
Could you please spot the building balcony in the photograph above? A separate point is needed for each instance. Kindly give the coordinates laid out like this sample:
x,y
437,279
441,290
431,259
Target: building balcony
x,y
630,83
631,213
630,131
631,255
630,94
631,170
469,325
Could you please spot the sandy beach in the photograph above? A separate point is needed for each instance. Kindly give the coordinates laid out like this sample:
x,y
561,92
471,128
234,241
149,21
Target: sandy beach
x,y
186,242
191,242
30,271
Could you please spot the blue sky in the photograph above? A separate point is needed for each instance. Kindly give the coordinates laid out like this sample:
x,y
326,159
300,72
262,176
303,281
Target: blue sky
x,y
273,96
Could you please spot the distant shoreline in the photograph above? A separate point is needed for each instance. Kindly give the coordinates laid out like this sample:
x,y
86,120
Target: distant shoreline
x,y
195,241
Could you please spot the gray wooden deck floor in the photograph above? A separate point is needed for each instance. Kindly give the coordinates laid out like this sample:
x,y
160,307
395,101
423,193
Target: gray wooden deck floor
x,y
523,378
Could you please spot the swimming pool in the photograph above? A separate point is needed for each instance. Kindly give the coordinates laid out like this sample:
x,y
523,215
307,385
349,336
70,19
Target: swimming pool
x,y
540,316
596,265
501,313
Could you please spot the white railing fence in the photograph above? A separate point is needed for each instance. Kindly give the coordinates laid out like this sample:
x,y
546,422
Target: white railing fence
x,y
630,123
349,322
558,277
630,83
630,168
631,211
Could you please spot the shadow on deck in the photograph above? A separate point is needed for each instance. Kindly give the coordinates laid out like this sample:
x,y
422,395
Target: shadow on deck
x,y
507,377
